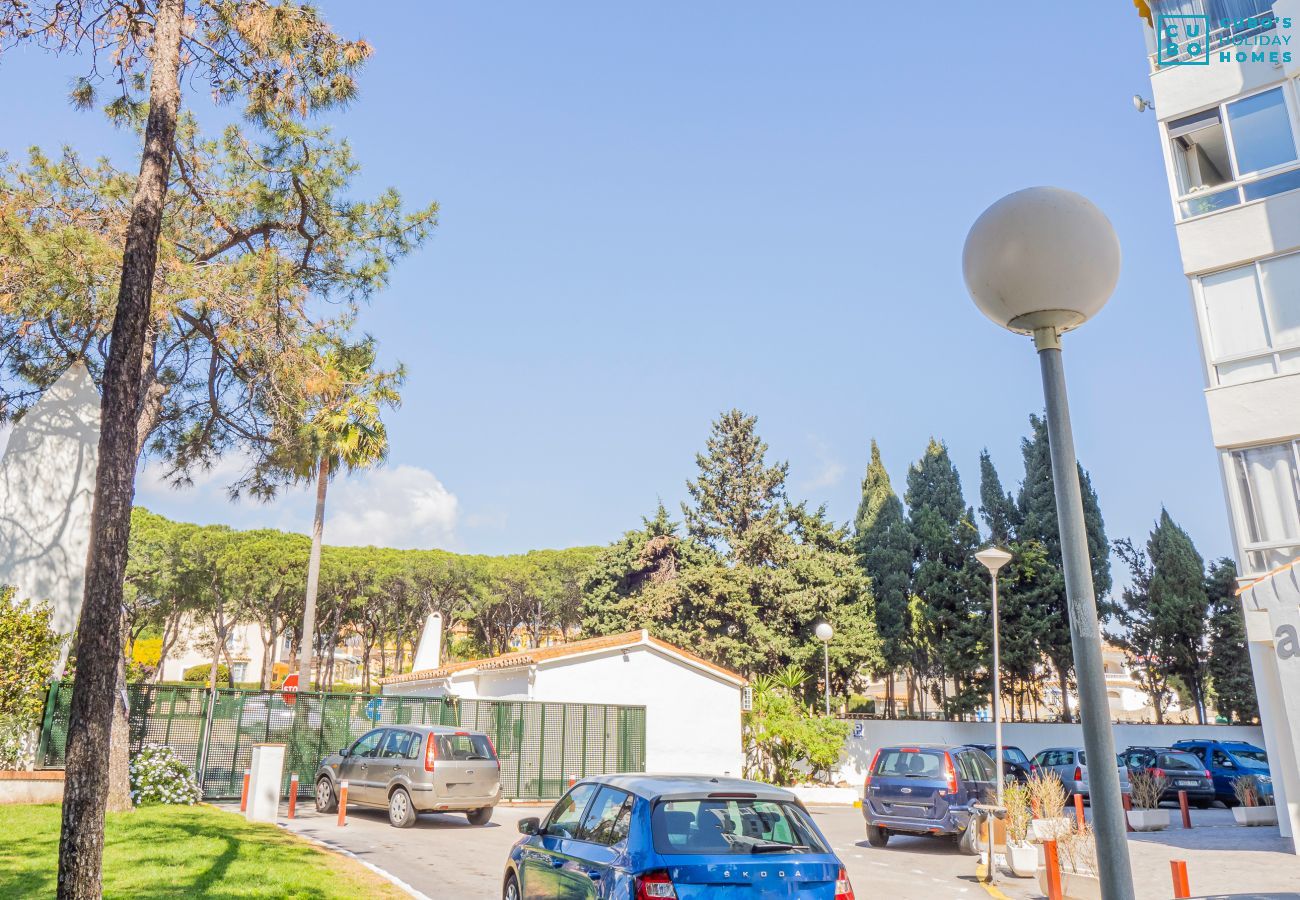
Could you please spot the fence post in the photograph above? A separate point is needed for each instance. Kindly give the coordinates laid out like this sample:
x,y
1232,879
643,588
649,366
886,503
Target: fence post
x,y
1182,805
1053,867
243,794
1182,889
47,723
205,738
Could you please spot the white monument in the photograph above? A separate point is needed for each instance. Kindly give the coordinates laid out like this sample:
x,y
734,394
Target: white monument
x,y
47,486
428,653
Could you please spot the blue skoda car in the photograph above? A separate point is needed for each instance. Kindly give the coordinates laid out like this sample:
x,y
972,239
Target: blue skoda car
x,y
926,789
690,837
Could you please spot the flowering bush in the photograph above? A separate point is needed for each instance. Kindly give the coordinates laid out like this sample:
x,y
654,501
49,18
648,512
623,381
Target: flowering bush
x,y
157,776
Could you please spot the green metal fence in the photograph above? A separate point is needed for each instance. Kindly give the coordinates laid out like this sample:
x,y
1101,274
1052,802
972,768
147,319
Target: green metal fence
x,y
539,744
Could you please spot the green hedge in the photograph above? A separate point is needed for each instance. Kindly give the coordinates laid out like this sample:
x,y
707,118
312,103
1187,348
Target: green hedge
x,y
201,673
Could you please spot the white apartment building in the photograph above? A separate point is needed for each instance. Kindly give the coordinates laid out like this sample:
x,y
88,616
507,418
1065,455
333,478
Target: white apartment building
x,y
1226,93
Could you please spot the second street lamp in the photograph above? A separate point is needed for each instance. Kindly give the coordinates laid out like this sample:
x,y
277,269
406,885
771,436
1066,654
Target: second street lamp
x,y
993,559
824,634
1043,261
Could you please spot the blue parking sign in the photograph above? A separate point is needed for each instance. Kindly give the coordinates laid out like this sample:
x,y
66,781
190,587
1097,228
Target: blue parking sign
x,y
372,709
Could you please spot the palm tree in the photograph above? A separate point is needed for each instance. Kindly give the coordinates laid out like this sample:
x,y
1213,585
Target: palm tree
x,y
338,425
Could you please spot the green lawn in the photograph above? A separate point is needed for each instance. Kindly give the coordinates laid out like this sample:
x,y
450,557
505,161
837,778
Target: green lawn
x,y
183,851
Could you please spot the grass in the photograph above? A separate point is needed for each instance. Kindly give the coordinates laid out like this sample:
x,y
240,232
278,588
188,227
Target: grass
x,y
183,851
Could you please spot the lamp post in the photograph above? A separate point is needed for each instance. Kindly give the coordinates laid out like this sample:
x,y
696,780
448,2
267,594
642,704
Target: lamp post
x,y
1042,261
824,634
993,559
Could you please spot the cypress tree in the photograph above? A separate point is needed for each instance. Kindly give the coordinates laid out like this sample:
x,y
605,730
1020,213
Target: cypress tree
x,y
945,539
997,508
1231,681
884,546
1037,511
1180,605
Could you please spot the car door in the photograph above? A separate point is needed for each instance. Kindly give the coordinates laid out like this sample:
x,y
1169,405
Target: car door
x,y
1224,771
545,854
391,765
978,775
589,857
355,769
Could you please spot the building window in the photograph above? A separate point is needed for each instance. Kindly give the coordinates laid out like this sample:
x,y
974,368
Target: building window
x,y
1244,150
1270,504
1252,317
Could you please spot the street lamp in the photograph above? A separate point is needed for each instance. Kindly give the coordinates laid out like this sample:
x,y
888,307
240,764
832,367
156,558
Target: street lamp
x,y
1042,261
824,633
993,559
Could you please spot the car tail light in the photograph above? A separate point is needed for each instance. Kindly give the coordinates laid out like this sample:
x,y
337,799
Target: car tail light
x,y
949,772
1158,772
1078,773
493,747
1033,768
870,769
1207,773
843,889
430,753
654,885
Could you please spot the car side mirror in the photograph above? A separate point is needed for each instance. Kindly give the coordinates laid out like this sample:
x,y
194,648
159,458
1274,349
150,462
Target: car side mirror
x,y
530,825
344,751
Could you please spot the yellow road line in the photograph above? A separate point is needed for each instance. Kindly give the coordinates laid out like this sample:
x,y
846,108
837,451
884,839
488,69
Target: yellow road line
x,y
993,892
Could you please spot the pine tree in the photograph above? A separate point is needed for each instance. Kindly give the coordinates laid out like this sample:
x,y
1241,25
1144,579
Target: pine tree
x,y
997,507
1141,635
946,538
883,542
1232,683
1038,522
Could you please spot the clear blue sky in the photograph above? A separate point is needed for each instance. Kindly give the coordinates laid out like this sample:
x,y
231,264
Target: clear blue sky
x,y
653,212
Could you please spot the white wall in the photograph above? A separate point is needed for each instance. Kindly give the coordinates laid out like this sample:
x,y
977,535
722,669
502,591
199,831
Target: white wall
x,y
692,718
1029,737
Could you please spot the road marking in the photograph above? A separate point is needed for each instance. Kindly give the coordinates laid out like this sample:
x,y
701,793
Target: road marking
x,y
992,892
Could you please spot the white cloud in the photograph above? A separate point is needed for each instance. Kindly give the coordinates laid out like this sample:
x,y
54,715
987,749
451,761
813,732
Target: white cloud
x,y
402,506
829,470
391,506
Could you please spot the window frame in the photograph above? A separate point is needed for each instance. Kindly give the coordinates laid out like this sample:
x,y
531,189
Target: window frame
x,y
584,827
582,813
1236,182
1243,503
1273,351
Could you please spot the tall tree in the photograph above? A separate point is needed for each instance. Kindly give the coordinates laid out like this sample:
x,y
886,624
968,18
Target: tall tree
x,y
883,542
997,507
1180,606
280,57
946,537
340,425
1036,506
1232,683
1142,635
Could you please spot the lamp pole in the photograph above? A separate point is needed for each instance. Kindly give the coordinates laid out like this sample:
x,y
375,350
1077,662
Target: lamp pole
x,y
995,558
1042,261
824,634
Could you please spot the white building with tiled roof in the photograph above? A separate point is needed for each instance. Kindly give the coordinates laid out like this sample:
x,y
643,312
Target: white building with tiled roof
x,y
692,706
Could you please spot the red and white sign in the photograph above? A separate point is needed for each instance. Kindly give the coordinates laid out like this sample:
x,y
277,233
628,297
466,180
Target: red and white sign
x,y
289,690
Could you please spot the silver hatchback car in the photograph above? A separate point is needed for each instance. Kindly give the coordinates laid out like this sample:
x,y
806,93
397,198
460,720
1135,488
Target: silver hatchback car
x,y
412,769
1071,764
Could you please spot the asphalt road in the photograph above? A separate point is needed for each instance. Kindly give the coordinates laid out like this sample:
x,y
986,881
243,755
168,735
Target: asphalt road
x,y
445,858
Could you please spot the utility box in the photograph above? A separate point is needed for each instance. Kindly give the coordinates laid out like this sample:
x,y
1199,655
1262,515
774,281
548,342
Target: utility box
x,y
266,776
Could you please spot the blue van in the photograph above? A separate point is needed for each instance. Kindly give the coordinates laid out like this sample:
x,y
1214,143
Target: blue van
x,y
927,789
1227,761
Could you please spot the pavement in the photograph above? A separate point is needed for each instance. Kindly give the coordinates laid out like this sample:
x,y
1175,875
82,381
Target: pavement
x,y
443,857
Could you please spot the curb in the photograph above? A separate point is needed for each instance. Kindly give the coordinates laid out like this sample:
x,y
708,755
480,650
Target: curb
x,y
342,851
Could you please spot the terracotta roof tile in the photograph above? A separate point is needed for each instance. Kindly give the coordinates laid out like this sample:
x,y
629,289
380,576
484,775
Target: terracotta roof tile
x,y
557,651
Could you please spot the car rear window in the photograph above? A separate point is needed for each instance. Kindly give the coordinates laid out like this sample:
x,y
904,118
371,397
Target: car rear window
x,y
909,763
733,826
1015,755
1178,760
464,747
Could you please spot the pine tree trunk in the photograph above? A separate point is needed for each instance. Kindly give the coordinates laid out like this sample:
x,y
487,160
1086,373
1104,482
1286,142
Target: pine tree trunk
x,y
119,752
1064,675
313,578
86,788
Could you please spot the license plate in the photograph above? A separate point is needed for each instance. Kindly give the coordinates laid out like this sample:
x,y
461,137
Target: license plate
x,y
1185,783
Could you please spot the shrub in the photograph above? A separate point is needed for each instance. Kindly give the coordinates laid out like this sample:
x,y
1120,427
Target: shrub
x,y
1046,794
1246,787
147,652
1147,789
860,704
200,673
1015,797
31,649
157,776
1078,850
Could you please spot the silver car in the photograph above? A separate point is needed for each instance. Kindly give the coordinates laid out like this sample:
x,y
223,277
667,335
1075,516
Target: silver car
x,y
412,769
1071,764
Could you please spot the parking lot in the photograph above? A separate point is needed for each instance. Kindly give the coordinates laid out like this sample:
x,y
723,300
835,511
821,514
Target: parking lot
x,y
444,857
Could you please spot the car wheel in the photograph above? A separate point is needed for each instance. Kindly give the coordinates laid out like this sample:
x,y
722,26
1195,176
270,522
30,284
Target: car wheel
x,y
1203,804
968,840
326,801
877,836
479,816
401,812
511,890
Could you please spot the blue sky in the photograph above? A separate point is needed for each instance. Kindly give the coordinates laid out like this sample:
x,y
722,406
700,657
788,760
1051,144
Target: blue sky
x,y
655,212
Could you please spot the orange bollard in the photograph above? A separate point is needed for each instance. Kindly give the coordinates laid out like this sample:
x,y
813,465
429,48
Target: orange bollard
x,y
343,803
243,797
1078,811
1053,866
1181,888
293,793
573,779
1128,808
1187,813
